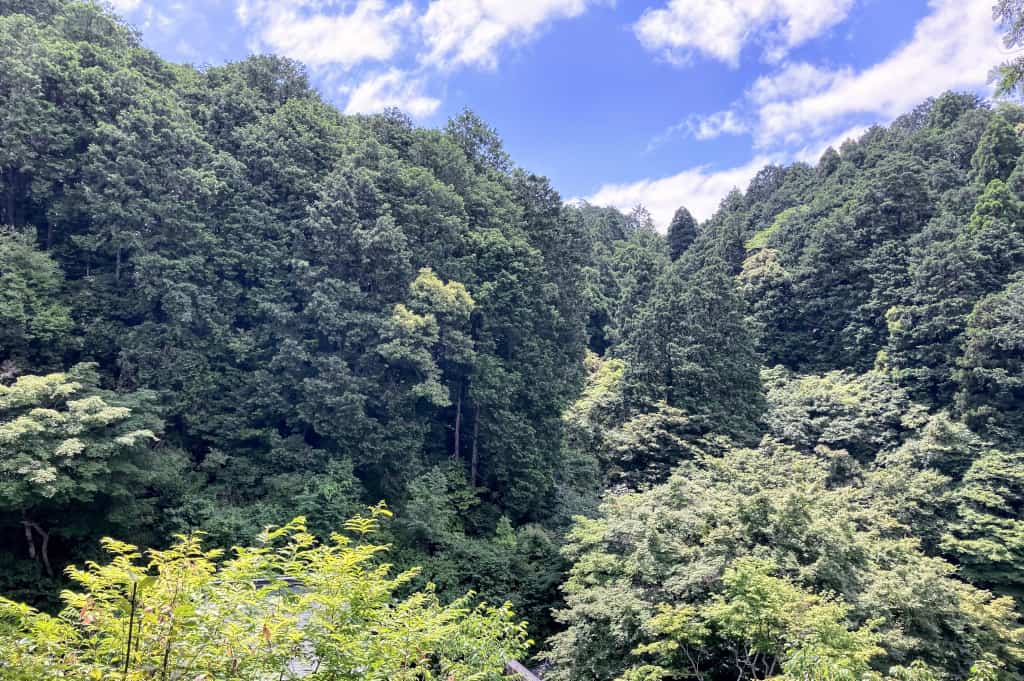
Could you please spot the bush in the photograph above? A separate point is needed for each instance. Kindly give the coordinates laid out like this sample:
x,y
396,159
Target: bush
x,y
286,608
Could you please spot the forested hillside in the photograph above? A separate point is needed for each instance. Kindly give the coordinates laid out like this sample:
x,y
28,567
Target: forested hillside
x,y
785,442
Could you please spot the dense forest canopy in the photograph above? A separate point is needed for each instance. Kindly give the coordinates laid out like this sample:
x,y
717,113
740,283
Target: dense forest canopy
x,y
787,442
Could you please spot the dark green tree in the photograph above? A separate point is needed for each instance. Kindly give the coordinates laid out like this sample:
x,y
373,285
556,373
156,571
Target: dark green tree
x,y
682,232
35,322
690,347
991,369
997,151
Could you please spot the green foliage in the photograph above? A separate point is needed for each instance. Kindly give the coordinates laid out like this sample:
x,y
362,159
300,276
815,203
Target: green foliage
x,y
763,619
627,259
35,324
771,619
76,460
323,306
61,444
991,369
691,347
289,607
682,232
444,529
845,415
997,152
926,335
763,237
1009,75
987,538
697,545
793,448
875,259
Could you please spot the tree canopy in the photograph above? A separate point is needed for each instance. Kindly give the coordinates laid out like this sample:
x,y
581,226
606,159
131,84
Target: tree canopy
x,y
785,442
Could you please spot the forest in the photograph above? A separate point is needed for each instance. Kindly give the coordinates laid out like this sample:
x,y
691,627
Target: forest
x,y
279,384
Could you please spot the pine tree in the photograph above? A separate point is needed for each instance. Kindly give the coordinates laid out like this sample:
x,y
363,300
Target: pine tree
x,y
997,151
681,233
991,369
690,347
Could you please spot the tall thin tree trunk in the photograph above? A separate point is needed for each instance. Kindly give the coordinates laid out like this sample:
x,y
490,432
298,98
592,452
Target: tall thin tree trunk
x,y
457,445
31,541
44,549
117,267
9,210
475,456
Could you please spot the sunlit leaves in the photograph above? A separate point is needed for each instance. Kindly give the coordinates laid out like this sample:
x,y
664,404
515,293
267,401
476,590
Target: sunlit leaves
x,y
288,607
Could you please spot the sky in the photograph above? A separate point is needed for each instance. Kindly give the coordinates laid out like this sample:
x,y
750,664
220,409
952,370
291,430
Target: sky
x,y
619,102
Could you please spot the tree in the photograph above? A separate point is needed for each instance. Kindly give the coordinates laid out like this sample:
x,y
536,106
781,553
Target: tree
x,y
772,622
987,538
690,347
682,232
737,563
35,323
854,415
997,151
142,183
948,278
829,162
288,606
69,451
480,142
991,369
1010,16
769,623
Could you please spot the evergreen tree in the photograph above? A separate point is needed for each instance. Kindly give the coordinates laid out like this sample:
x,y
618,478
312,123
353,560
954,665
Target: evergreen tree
x,y
35,322
682,232
691,348
991,369
997,151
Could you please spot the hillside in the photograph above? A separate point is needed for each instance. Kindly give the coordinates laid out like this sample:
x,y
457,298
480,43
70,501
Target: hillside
x,y
785,442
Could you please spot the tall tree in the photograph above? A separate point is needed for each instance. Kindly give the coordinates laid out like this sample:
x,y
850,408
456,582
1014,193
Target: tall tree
x,y
35,322
690,346
997,151
682,232
991,369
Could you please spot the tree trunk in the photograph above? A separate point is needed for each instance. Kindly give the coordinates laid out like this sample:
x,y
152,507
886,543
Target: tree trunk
x,y
31,542
44,549
456,446
9,209
117,267
475,456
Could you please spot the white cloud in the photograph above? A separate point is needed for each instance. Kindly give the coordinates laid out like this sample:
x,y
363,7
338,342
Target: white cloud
x,y
792,81
703,128
339,38
721,28
329,32
125,6
392,88
469,32
716,125
699,189
952,48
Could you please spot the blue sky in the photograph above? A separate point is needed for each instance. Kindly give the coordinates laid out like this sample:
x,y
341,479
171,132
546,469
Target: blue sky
x,y
660,102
